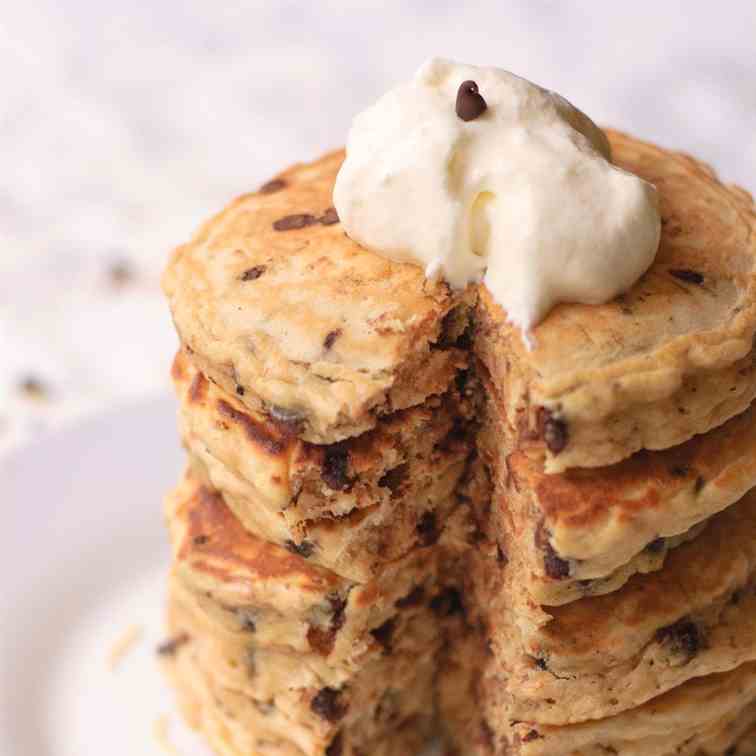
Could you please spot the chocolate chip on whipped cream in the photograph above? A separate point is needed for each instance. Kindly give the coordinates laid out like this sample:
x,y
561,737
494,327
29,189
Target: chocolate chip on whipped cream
x,y
470,103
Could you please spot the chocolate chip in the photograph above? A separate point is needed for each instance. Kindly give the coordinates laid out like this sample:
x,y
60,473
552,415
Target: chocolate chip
x,y
327,704
294,222
555,567
247,620
461,379
689,276
338,607
456,435
121,273
240,390
655,546
447,332
470,103
731,751
699,484
330,338
253,273
200,540
553,431
321,639
683,638
304,549
336,747
427,531
413,598
274,185
336,467
624,305
679,471
329,217
385,634
33,388
169,647
541,663
448,602
532,735
394,478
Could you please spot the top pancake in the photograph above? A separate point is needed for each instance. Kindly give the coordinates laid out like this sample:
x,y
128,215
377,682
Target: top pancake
x,y
328,335
304,320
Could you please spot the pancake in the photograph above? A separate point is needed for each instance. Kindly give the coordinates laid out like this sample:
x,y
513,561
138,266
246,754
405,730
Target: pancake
x,y
707,716
277,599
396,723
351,506
327,336
602,655
586,532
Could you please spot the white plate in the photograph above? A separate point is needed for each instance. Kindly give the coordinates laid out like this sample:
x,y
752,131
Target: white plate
x,y
83,559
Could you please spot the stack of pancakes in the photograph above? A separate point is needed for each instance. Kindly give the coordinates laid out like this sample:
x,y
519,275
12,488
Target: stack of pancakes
x,y
399,519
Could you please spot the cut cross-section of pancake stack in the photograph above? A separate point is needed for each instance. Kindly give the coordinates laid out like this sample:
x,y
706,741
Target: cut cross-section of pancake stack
x,y
399,519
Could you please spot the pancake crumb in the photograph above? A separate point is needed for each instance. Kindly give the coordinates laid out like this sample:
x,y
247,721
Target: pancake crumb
x,y
161,730
124,645
34,389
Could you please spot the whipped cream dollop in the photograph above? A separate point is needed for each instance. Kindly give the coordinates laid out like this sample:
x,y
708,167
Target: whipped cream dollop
x,y
522,196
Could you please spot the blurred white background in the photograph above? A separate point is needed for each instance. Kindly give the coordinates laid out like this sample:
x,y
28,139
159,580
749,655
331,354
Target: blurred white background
x,y
123,124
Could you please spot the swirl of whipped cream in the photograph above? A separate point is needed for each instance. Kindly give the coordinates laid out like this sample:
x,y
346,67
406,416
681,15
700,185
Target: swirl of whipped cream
x,y
523,197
